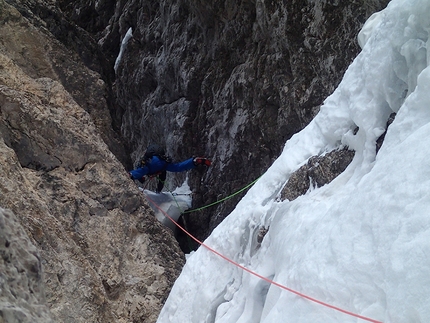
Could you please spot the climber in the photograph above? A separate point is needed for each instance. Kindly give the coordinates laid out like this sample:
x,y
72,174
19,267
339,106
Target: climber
x,y
156,163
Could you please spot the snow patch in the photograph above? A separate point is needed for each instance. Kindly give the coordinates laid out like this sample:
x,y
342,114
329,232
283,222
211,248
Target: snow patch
x,y
124,42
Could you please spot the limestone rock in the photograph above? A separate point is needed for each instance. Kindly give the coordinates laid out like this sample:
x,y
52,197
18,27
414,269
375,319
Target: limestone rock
x,y
22,297
321,170
40,39
104,256
226,79
231,80
318,171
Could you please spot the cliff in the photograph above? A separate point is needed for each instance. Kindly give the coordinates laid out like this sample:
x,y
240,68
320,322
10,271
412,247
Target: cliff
x,y
103,256
228,80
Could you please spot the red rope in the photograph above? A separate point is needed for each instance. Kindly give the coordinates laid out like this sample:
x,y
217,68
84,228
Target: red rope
x,y
258,275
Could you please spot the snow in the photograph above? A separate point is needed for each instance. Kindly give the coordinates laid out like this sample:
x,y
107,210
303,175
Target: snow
x,y
172,203
128,35
360,243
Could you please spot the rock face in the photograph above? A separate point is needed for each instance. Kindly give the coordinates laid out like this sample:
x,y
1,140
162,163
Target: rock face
x,y
231,80
318,171
22,297
104,256
70,56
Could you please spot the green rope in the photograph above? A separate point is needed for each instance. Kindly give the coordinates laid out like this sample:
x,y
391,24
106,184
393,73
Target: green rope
x,y
224,199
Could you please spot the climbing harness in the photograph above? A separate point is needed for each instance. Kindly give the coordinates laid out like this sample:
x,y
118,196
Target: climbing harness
x,y
150,178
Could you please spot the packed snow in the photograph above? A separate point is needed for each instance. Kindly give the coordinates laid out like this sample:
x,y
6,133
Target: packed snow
x,y
127,37
170,203
360,243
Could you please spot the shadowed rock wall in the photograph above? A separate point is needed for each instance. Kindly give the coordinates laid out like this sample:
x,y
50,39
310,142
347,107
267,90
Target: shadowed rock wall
x,y
231,80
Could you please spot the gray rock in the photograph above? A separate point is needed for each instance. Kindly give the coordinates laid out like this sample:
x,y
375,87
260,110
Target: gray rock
x,y
318,171
104,256
22,288
229,80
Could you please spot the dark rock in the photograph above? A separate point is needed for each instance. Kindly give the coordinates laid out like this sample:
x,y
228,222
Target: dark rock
x,y
229,80
319,171
380,140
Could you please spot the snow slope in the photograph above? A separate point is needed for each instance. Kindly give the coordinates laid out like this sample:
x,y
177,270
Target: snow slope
x,y
360,243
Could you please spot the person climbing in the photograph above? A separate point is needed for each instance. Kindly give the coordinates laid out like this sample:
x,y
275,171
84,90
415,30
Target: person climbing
x,y
156,163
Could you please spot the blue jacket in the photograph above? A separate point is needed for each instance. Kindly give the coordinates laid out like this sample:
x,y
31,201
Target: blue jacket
x,y
157,165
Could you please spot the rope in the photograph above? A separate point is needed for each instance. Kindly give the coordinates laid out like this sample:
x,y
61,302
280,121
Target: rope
x,y
224,199
258,275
